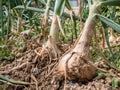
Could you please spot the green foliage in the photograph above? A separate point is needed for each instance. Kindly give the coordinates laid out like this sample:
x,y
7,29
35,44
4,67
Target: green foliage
x,y
5,53
70,31
12,81
107,38
116,59
16,17
30,8
67,4
59,7
110,3
110,22
101,74
115,82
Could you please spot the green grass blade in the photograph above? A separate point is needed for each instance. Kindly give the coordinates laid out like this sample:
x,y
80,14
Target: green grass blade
x,y
9,19
110,3
115,83
30,8
67,4
47,9
59,7
42,2
110,23
36,1
28,3
13,81
1,17
23,3
64,13
107,38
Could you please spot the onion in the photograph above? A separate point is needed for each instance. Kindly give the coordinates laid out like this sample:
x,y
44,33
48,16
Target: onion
x,y
75,69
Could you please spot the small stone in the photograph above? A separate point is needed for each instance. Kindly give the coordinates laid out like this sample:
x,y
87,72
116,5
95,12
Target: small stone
x,y
35,71
27,79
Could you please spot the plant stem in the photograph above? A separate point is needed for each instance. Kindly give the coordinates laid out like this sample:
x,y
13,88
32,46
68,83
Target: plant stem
x,y
13,81
54,31
88,31
47,9
1,16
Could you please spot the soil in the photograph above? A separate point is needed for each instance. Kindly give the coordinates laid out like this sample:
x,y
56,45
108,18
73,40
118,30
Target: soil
x,y
41,73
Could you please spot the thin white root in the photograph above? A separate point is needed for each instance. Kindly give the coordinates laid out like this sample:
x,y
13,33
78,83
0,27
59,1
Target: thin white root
x,y
54,46
15,68
34,79
50,48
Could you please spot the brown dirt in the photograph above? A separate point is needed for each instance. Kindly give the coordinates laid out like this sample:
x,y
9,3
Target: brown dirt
x,y
41,72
